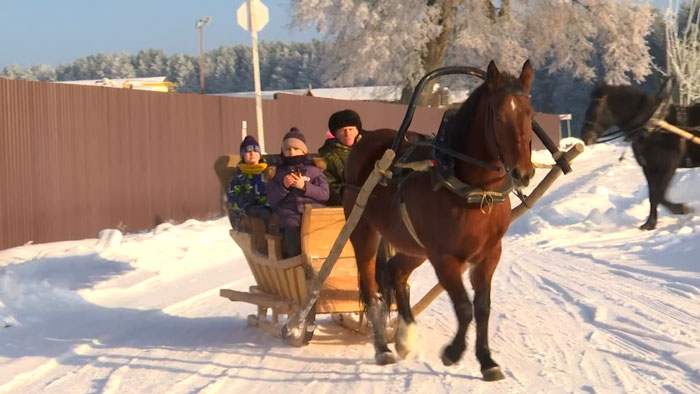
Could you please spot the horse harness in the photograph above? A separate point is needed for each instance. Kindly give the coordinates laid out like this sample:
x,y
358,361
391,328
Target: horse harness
x,y
440,166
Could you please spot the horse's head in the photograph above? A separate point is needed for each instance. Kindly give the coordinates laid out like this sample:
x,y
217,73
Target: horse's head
x,y
627,107
598,116
509,121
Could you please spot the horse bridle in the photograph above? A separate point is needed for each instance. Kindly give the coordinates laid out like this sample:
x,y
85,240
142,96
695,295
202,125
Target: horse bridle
x,y
491,113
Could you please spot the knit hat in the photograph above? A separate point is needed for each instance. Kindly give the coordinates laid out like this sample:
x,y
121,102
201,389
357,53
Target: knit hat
x,y
249,144
344,118
295,139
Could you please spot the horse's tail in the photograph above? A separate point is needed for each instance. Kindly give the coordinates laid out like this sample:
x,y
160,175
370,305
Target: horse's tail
x,y
382,274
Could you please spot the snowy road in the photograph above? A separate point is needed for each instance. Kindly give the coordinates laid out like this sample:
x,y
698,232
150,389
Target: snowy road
x,y
582,302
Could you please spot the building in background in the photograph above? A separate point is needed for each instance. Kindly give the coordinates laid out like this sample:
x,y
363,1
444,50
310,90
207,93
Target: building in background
x,y
154,84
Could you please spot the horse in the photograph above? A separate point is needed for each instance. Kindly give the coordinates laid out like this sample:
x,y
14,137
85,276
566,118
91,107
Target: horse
x,y
493,125
658,153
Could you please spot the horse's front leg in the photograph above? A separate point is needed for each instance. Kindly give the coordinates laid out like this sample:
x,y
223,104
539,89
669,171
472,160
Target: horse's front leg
x,y
449,272
480,276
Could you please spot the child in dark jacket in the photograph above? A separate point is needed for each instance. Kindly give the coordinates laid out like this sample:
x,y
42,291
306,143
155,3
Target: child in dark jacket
x,y
246,190
297,182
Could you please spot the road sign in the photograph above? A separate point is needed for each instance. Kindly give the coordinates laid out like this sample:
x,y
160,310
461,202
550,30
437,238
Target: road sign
x,y
259,13
565,117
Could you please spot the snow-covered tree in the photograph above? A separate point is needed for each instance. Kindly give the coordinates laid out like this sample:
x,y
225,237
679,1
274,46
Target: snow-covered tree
x,y
17,72
683,49
151,63
183,70
397,41
229,69
221,70
101,65
43,72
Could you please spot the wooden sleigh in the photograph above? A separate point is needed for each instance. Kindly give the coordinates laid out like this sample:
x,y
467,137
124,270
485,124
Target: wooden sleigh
x,y
283,284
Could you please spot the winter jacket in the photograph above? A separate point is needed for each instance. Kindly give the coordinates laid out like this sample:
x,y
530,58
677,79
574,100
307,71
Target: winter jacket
x,y
246,187
289,203
335,154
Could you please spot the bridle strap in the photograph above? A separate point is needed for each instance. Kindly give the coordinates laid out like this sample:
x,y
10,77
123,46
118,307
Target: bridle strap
x,y
495,149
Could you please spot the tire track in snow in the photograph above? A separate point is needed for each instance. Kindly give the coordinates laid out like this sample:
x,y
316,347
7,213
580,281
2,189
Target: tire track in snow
x,y
632,339
44,369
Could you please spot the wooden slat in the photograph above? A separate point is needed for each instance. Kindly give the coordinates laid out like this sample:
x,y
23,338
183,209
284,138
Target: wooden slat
x,y
282,278
338,301
293,286
265,300
274,246
283,264
300,281
256,272
265,283
343,276
322,234
275,287
340,292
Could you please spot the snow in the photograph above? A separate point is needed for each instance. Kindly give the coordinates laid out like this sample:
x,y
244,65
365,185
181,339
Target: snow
x,y
359,93
583,301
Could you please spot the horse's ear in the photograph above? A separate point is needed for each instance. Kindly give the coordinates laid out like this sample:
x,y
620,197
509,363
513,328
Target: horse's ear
x,y
493,76
527,75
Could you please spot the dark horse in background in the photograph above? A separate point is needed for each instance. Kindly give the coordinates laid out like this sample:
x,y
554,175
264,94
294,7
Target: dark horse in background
x,y
659,153
494,126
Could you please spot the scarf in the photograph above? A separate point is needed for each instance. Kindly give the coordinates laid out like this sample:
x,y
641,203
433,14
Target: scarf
x,y
252,169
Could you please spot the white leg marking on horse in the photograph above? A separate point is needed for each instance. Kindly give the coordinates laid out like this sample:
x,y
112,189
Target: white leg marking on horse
x,y
406,335
512,104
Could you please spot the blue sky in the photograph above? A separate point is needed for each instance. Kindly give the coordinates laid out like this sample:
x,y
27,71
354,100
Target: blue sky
x,y
58,32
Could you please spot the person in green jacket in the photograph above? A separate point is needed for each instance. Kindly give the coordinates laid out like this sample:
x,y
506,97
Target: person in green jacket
x,y
346,128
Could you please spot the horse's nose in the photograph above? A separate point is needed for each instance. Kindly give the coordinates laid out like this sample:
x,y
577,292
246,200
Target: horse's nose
x,y
589,137
522,179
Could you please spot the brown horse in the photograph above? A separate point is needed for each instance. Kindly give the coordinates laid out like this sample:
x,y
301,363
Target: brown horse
x,y
494,126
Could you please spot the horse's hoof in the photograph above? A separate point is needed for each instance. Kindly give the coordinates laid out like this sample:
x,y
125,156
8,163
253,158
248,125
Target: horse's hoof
x,y
385,358
406,335
403,352
493,374
446,360
450,355
647,226
679,209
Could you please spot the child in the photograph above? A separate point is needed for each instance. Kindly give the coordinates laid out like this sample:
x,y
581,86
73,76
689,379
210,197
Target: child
x,y
296,182
246,190
346,128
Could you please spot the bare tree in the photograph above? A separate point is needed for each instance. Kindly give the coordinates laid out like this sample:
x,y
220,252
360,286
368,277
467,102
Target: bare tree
x,y
683,50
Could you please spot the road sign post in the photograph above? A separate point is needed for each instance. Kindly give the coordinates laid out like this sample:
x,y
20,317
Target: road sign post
x,y
253,15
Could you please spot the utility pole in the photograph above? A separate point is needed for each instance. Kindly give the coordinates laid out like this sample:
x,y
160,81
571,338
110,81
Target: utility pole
x,y
200,24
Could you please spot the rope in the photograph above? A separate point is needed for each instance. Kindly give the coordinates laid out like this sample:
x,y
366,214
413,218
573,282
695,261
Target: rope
x,y
487,198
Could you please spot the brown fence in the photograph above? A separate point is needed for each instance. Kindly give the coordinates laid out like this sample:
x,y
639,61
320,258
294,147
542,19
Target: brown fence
x,y
77,159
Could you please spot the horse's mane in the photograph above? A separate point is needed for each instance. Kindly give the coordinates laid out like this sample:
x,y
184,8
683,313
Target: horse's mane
x,y
625,91
465,116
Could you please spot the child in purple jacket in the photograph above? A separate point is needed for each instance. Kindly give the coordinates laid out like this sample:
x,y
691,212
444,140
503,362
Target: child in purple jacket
x,y
297,182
